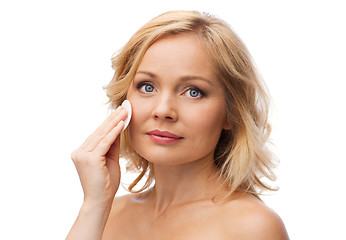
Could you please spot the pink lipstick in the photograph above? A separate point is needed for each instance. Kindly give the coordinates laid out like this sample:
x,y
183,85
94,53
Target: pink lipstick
x,y
163,137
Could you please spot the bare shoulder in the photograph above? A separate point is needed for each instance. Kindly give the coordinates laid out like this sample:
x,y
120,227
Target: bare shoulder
x,y
123,204
119,203
119,216
249,218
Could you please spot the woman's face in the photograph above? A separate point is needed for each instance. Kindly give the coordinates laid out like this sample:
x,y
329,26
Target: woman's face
x,y
178,103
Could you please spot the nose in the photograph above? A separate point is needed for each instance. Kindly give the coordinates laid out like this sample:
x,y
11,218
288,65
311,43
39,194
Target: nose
x,y
165,109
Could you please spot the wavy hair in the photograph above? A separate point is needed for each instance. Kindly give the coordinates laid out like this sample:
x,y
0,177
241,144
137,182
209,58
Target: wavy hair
x,y
242,155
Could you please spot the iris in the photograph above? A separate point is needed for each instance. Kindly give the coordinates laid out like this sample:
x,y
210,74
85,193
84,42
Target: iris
x,y
194,93
148,88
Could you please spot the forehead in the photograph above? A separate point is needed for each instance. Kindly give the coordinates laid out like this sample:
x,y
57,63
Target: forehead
x,y
182,54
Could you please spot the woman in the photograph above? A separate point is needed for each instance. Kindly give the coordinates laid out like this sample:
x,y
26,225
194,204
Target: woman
x,y
198,133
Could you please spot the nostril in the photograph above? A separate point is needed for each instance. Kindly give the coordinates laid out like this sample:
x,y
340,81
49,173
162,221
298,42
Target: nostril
x,y
165,117
164,111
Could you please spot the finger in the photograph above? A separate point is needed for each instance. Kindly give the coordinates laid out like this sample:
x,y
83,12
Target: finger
x,y
112,161
105,144
113,152
102,126
94,139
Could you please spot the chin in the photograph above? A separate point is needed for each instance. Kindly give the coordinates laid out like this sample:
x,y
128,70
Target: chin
x,y
167,159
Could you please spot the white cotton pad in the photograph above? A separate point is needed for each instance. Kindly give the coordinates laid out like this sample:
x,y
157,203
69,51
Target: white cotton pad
x,y
127,105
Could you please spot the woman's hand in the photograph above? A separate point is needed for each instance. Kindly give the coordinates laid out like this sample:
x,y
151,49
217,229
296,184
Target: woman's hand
x,y
97,161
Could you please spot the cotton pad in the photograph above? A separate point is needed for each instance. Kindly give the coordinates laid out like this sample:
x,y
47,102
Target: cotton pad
x,y
127,106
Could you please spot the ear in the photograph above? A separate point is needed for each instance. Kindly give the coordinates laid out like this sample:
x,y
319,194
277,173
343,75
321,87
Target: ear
x,y
227,125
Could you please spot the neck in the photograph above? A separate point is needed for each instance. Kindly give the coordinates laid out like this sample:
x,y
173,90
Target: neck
x,y
186,183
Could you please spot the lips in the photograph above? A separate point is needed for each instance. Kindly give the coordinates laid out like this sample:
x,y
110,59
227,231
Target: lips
x,y
163,137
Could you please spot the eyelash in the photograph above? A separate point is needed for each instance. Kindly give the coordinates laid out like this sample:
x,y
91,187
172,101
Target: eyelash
x,y
201,94
143,84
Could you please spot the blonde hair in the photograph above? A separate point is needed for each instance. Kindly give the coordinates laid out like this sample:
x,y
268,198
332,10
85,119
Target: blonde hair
x,y
242,155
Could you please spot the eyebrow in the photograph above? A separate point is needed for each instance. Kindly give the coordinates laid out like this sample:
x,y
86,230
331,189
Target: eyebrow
x,y
184,78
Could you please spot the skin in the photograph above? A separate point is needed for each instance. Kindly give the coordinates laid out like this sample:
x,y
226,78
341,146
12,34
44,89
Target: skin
x,y
175,89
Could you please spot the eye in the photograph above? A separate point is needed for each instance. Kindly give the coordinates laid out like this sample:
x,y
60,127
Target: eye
x,y
148,88
145,87
194,93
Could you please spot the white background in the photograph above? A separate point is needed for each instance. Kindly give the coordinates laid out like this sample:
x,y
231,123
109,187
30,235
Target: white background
x,y
55,59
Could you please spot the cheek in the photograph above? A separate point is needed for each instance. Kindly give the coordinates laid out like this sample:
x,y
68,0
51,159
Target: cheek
x,y
141,112
206,118
207,130
136,104
138,111
205,126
